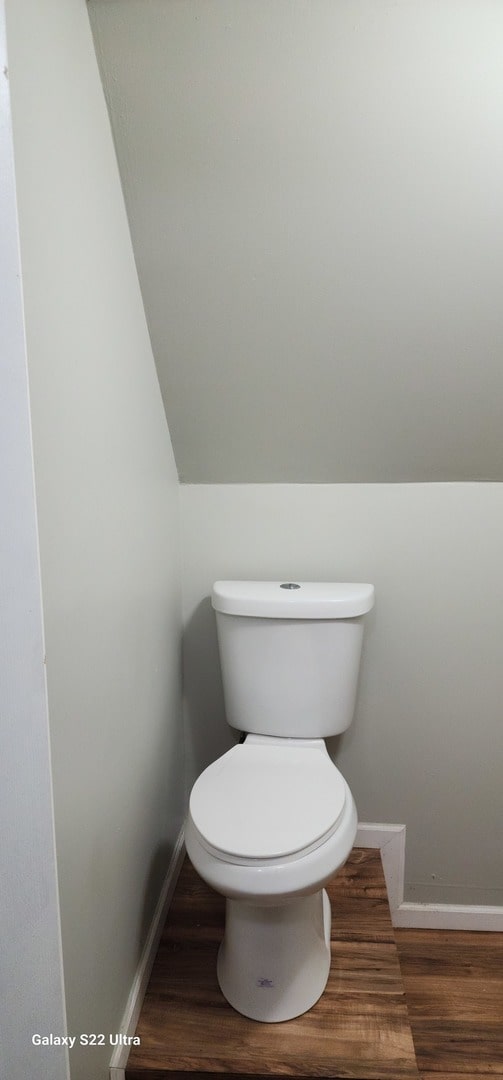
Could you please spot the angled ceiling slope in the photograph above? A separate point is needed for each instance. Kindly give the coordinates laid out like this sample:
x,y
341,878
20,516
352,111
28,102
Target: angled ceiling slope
x,y
315,199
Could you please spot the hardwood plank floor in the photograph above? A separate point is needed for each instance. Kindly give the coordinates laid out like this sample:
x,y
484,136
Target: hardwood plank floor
x,y
359,1029
454,989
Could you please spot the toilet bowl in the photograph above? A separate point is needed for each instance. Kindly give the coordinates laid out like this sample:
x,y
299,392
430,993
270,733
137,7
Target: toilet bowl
x,y
269,824
273,819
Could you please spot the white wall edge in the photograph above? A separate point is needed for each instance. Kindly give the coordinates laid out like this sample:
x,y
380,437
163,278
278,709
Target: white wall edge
x,y
140,982
390,839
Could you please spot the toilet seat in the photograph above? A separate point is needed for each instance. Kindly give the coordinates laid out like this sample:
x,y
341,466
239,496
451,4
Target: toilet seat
x,y
268,802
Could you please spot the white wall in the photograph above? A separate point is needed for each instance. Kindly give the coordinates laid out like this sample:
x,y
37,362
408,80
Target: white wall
x,y
31,984
426,744
107,498
314,191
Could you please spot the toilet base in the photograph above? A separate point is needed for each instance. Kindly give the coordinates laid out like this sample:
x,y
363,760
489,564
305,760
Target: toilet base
x,y
273,963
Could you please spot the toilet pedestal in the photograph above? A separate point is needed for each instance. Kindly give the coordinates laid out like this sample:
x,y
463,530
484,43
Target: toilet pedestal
x,y
274,961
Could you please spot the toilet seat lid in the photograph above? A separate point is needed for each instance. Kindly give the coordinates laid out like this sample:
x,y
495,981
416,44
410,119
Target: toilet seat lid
x,y
267,802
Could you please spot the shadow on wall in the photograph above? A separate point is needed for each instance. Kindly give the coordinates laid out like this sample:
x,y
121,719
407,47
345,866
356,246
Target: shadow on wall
x,y
207,734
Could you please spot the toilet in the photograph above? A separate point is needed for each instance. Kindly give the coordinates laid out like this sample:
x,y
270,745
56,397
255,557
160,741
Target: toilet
x,y
273,819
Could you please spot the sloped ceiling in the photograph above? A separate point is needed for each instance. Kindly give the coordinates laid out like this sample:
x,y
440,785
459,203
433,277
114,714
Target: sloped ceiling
x,y
315,194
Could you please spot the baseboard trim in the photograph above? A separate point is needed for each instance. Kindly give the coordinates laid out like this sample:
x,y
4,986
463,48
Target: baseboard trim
x,y
391,841
449,917
140,981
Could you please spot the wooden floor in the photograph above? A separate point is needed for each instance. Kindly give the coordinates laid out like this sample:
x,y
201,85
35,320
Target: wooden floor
x,y
454,989
359,1029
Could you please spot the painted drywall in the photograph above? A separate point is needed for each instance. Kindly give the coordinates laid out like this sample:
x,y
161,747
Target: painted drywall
x,y
426,744
31,984
107,498
314,192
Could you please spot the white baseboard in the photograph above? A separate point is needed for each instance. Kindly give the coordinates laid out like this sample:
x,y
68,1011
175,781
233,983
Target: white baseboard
x,y
140,981
450,917
390,839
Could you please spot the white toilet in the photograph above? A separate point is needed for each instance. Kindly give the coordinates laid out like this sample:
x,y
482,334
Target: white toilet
x,y
272,820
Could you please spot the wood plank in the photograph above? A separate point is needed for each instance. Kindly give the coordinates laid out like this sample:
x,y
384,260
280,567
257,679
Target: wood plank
x,y
358,1030
456,1076
466,999
454,987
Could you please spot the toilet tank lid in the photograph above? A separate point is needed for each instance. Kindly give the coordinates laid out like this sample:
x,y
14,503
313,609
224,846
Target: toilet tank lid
x,y
293,599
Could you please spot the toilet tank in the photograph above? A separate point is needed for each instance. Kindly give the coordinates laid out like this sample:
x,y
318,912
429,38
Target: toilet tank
x,y
290,654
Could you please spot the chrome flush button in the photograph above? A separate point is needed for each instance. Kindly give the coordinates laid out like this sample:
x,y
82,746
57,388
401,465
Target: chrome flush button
x,y
290,585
